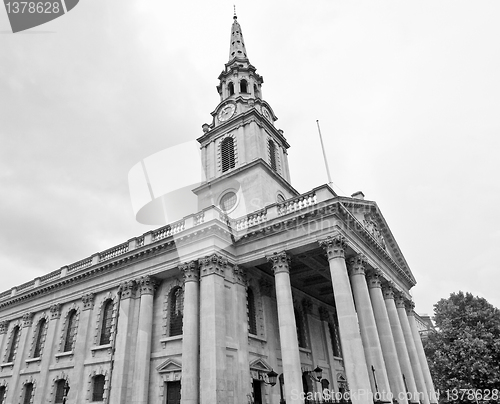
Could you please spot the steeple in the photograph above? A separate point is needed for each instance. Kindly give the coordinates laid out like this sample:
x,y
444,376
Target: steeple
x,y
237,46
244,155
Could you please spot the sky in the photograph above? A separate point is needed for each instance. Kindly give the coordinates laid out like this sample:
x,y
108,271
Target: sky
x,y
407,95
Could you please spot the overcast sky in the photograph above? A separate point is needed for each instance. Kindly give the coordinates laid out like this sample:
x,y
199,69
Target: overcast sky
x,y
407,94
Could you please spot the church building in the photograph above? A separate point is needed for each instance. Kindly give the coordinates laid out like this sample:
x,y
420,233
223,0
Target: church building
x,y
262,296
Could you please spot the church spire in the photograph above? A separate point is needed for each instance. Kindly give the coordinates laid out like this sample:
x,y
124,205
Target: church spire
x,y
237,46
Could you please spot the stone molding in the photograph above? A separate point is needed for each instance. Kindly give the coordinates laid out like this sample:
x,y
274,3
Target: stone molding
x,y
55,311
280,262
324,314
212,264
127,289
190,271
240,276
356,265
334,246
147,285
28,319
4,326
88,301
307,305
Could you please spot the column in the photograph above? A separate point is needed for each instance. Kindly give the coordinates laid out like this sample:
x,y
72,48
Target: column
x,y
412,350
123,341
85,334
386,338
212,330
14,388
48,347
190,335
368,328
243,386
421,356
350,336
290,354
4,326
399,341
142,363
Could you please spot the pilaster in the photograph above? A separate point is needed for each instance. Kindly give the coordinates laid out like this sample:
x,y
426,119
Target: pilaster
x,y
80,345
350,336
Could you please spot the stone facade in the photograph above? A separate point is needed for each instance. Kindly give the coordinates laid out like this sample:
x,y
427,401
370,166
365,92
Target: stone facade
x,y
203,310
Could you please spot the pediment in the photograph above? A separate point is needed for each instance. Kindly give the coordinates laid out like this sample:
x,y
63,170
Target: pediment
x,y
260,365
169,366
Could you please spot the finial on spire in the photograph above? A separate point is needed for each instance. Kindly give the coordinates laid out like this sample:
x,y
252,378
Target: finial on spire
x,y
234,17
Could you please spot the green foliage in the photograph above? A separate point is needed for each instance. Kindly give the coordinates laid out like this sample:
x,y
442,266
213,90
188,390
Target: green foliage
x,y
464,352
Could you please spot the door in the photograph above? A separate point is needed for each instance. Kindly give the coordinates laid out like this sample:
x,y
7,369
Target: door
x,y
173,390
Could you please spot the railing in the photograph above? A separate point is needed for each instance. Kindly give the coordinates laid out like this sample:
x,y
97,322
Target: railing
x,y
25,285
297,203
80,264
113,252
168,230
51,275
249,220
140,241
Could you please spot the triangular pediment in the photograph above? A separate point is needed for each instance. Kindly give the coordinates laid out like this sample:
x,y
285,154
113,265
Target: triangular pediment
x,y
169,366
260,365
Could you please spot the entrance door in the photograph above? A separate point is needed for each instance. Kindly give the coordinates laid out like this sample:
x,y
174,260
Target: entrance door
x,y
173,390
257,391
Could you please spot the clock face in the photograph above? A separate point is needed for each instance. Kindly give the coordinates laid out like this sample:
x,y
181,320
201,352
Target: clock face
x,y
226,112
266,113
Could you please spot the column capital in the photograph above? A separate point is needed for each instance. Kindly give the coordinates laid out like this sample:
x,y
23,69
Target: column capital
x,y
410,306
374,278
400,300
4,325
28,319
88,301
212,264
190,271
239,275
280,262
334,246
307,305
356,265
266,287
324,314
147,285
55,311
388,290
127,289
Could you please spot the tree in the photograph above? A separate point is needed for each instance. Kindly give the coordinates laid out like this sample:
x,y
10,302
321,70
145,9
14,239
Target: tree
x,y
464,352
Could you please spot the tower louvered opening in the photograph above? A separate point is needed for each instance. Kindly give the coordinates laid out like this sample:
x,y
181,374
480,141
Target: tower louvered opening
x,y
272,155
227,154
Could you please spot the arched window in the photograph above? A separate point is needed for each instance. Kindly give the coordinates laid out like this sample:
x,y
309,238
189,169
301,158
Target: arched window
x,y
272,155
59,396
230,87
2,394
13,344
28,392
243,86
39,338
299,324
69,336
256,90
227,154
252,313
107,317
334,339
176,311
98,388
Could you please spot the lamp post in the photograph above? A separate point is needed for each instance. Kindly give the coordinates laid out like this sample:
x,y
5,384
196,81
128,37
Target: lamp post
x,y
272,376
66,391
318,374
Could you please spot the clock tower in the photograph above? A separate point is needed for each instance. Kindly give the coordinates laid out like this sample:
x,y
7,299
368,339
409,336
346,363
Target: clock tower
x,y
244,155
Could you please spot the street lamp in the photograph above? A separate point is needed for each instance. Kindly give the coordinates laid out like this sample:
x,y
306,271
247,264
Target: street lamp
x,y
318,374
272,376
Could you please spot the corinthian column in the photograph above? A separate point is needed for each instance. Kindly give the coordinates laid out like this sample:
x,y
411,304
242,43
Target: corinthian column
x,y
386,338
399,341
350,336
121,364
190,335
290,354
213,330
369,334
147,287
412,351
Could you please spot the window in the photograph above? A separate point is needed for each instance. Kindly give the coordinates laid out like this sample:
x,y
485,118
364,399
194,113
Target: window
x,y
28,392
98,388
176,311
280,198
2,394
334,339
243,86
256,90
230,87
70,331
301,336
173,392
252,315
60,391
39,338
228,201
272,155
107,317
13,344
227,154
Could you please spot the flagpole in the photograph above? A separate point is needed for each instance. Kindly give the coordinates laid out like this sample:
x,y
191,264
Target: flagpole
x,y
324,155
